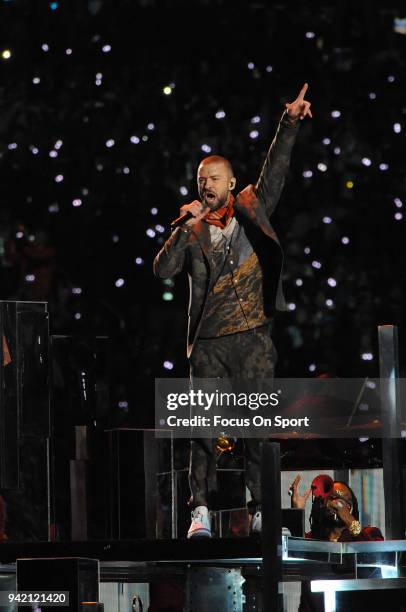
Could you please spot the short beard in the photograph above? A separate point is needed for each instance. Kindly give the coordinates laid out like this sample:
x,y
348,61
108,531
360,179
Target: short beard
x,y
222,201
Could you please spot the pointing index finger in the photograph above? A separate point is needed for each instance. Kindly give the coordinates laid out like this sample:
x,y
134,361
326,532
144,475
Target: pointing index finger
x,y
303,91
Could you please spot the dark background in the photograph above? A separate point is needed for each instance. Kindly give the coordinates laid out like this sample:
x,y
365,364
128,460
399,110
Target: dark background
x,y
85,75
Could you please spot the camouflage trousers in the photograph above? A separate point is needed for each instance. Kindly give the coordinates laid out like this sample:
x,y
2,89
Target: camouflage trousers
x,y
244,355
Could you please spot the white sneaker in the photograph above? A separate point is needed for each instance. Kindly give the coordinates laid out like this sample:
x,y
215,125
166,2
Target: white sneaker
x,y
256,522
200,526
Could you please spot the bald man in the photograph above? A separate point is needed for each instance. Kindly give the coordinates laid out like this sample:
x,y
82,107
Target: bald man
x,y
234,263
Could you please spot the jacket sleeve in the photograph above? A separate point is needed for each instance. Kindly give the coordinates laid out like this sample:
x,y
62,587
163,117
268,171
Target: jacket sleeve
x,y
171,258
370,534
272,178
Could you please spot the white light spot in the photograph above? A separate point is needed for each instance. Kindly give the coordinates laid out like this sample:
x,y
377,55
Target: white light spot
x,y
34,150
307,250
372,95
167,90
53,154
254,134
383,167
298,282
53,208
183,190
367,356
58,144
337,150
206,148
144,138
36,80
310,34
398,216
269,68
151,126
68,51
123,404
250,66
167,296
307,174
332,282
12,146
126,170
316,264
154,211
115,238
329,303
6,54
160,228
106,48
119,282
150,233
391,78
345,240
327,220
76,202
134,139
322,167
312,367
256,119
139,261
291,306
30,278
168,365
110,143
326,141
398,202
76,290
45,47
366,161
220,114
335,114
78,316
370,384
59,178
397,128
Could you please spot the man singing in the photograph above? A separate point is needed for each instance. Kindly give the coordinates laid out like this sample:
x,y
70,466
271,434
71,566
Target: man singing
x,y
234,263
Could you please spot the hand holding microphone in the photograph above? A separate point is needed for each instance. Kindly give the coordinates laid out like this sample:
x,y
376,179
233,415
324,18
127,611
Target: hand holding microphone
x,y
191,214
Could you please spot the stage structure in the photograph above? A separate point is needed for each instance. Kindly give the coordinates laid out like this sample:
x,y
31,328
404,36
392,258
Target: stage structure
x,y
107,504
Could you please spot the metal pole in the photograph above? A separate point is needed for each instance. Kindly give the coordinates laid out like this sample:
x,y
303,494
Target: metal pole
x,y
271,525
391,444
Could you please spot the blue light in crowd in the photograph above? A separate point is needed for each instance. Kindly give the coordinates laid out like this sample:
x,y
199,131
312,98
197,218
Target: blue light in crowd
x,y
53,6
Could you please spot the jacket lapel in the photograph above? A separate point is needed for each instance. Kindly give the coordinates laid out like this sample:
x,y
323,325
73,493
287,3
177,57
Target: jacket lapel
x,y
248,205
202,234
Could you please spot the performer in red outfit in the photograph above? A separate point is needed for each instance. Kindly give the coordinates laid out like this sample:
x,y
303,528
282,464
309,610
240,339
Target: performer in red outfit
x,y
334,517
335,514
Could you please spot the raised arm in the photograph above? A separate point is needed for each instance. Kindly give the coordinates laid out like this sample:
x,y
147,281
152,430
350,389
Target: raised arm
x,y
272,178
171,258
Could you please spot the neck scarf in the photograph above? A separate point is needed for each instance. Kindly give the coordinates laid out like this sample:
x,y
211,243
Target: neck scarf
x,y
222,216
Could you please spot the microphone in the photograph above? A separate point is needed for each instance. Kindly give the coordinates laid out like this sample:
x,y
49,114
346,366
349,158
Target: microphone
x,y
181,220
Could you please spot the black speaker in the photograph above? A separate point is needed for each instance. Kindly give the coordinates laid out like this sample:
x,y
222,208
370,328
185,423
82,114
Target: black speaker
x,y
79,576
